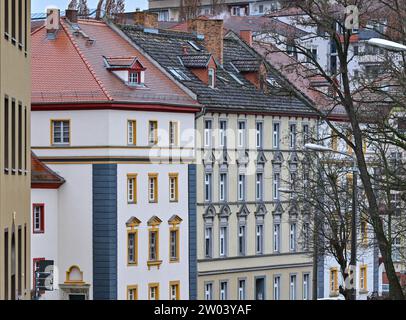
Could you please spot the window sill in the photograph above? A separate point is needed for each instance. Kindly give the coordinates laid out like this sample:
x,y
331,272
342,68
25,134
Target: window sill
x,y
132,202
132,264
334,294
174,260
60,145
38,232
154,201
173,201
154,263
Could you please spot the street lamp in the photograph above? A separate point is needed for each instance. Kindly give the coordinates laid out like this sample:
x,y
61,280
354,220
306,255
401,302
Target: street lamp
x,y
353,262
386,44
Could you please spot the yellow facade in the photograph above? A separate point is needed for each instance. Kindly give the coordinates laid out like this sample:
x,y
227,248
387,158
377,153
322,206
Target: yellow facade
x,y
15,92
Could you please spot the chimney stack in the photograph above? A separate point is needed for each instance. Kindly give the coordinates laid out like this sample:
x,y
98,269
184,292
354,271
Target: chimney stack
x,y
213,33
146,19
246,35
52,22
72,15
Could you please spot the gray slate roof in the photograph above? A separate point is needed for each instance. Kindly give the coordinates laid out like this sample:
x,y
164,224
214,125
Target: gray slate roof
x,y
167,48
196,60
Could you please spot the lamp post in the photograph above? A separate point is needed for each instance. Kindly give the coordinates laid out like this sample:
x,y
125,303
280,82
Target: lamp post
x,y
353,261
386,44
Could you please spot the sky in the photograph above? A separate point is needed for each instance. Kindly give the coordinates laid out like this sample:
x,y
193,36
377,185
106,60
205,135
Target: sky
x,y
38,6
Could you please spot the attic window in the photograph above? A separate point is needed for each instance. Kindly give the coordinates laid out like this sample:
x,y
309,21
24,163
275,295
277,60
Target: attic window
x,y
194,45
273,83
179,74
128,69
236,78
212,76
134,78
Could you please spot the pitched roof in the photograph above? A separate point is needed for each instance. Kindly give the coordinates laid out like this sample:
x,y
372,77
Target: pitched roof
x,y
42,176
166,47
195,60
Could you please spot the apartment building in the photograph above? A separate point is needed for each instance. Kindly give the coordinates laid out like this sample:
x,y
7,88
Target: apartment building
x,y
15,68
120,133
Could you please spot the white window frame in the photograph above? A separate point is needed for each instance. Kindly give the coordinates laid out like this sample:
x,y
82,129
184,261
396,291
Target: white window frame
x,y
130,189
63,126
306,286
223,290
276,186
242,239
208,241
241,187
208,186
223,187
208,291
173,133
208,133
211,77
292,135
259,134
276,237
277,287
242,285
222,133
276,128
259,238
37,218
241,139
292,236
259,186
223,241
292,286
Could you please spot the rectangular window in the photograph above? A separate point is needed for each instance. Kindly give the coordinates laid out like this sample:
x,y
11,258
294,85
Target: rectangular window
x,y
60,132
6,133
259,238
13,21
208,244
277,288
174,290
207,187
153,187
208,291
306,286
259,187
223,241
25,140
132,132
173,133
20,138
333,281
153,245
292,290
132,188
5,261
276,185
132,245
223,187
306,236
174,245
241,134
241,289
212,76
396,249
241,240
306,134
153,293
13,136
25,25
223,290
276,237
259,134
292,237
6,18
132,293
134,78
20,24
19,261
292,136
363,278
276,134
241,187
38,218
153,132
223,132
173,187
207,133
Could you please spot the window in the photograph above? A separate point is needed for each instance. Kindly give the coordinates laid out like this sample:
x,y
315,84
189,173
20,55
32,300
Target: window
x,y
276,134
223,241
259,238
153,187
153,132
223,290
207,133
212,76
60,131
132,247
241,289
306,236
153,291
13,21
259,135
208,238
276,237
292,291
241,240
223,187
241,187
38,218
277,288
132,292
134,78
364,231
132,132
174,244
311,54
6,18
333,281
173,133
153,244
306,134
259,187
6,133
306,286
334,141
173,187
132,188
276,184
241,134
20,138
13,136
261,8
292,136
356,50
363,278
208,291
223,129
207,187
396,249
174,290
292,237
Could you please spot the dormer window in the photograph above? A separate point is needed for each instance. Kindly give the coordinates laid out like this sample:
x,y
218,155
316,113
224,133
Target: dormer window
x,y
212,76
134,78
128,69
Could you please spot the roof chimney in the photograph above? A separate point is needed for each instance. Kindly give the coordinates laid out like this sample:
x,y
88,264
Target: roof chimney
x,y
52,22
213,35
146,19
246,35
72,15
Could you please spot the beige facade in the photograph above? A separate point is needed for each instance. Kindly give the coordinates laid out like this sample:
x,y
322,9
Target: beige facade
x,y
271,242
15,91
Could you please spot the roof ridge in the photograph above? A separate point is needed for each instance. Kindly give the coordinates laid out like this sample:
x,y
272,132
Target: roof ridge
x,y
89,67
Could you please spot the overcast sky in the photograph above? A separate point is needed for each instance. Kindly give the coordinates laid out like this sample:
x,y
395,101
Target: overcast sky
x,y
40,5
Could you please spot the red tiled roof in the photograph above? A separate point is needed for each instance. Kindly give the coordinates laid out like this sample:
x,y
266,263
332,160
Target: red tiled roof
x,y
42,177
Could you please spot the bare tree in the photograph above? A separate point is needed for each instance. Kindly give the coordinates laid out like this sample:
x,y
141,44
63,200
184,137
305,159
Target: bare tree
x,y
99,9
73,4
83,9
